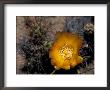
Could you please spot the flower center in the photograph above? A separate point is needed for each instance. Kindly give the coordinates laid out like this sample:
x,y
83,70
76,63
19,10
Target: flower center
x,y
66,52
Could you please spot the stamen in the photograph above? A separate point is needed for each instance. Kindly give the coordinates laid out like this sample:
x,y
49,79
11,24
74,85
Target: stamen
x,y
66,52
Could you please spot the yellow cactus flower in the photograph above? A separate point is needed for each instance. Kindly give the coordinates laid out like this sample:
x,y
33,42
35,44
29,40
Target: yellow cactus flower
x,y
64,52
